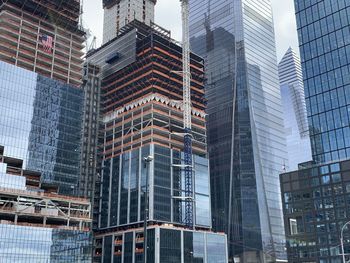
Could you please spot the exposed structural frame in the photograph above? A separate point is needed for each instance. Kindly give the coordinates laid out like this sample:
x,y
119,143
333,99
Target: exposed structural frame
x,y
22,25
43,209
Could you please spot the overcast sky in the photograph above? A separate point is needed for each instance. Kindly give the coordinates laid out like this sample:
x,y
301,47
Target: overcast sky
x,y
168,16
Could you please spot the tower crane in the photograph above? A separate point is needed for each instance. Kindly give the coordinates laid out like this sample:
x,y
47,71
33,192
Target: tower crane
x,y
188,168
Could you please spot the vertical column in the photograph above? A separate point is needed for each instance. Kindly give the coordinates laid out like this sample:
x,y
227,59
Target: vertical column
x,y
53,52
19,38
171,186
182,247
110,192
70,57
205,249
129,175
157,245
151,185
119,188
140,163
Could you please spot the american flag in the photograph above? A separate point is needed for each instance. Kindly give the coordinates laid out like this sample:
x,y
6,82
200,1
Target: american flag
x,y
47,42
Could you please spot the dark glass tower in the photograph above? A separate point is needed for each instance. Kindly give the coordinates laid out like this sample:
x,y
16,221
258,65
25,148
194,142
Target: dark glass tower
x,y
324,38
245,126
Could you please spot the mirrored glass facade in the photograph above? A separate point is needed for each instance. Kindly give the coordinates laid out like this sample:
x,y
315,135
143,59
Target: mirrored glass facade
x,y
168,245
324,38
23,244
123,188
41,123
245,124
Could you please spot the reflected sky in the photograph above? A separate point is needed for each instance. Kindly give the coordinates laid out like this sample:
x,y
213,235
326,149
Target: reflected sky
x,y
23,244
17,92
41,124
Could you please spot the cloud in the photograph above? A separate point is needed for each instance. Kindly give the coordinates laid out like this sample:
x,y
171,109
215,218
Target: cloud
x,y
168,15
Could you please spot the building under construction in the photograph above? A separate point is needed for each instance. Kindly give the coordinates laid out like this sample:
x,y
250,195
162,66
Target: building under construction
x,y
43,36
142,131
141,91
36,222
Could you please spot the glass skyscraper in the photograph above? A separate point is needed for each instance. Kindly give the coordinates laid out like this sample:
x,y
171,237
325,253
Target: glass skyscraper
x,y
294,110
324,38
245,127
316,196
41,123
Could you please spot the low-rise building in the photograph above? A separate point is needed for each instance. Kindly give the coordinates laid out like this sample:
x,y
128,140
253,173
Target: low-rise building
x,y
316,206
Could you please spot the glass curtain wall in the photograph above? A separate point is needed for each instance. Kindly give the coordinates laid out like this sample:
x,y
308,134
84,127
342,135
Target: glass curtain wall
x,y
41,123
245,125
123,188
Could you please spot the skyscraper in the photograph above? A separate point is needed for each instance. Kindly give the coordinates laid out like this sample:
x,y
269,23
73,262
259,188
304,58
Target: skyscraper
x,y
316,196
294,110
143,140
44,37
118,13
42,104
245,124
324,39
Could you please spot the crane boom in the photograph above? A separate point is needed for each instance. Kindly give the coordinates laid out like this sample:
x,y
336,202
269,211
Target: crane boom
x,y
187,114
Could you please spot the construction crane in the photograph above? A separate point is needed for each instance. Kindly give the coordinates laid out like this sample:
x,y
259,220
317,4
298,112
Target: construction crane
x,y
188,168
88,33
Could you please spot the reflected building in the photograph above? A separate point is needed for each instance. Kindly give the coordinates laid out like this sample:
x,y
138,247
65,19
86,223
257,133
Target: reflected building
x,y
316,196
324,57
36,223
142,116
43,117
294,110
41,124
246,140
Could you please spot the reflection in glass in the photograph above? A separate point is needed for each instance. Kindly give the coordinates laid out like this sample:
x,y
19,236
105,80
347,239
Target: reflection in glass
x,y
41,123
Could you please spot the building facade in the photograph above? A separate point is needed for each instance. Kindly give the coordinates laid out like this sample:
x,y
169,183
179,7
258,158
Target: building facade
x,y
36,223
324,41
316,196
245,124
44,37
165,244
294,110
316,206
118,13
41,124
142,116
90,161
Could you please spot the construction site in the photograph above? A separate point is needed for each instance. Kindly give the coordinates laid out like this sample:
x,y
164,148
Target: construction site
x,y
57,228
44,37
142,92
154,149
25,201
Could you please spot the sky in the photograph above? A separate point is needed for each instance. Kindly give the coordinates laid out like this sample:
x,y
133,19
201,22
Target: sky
x,y
168,15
